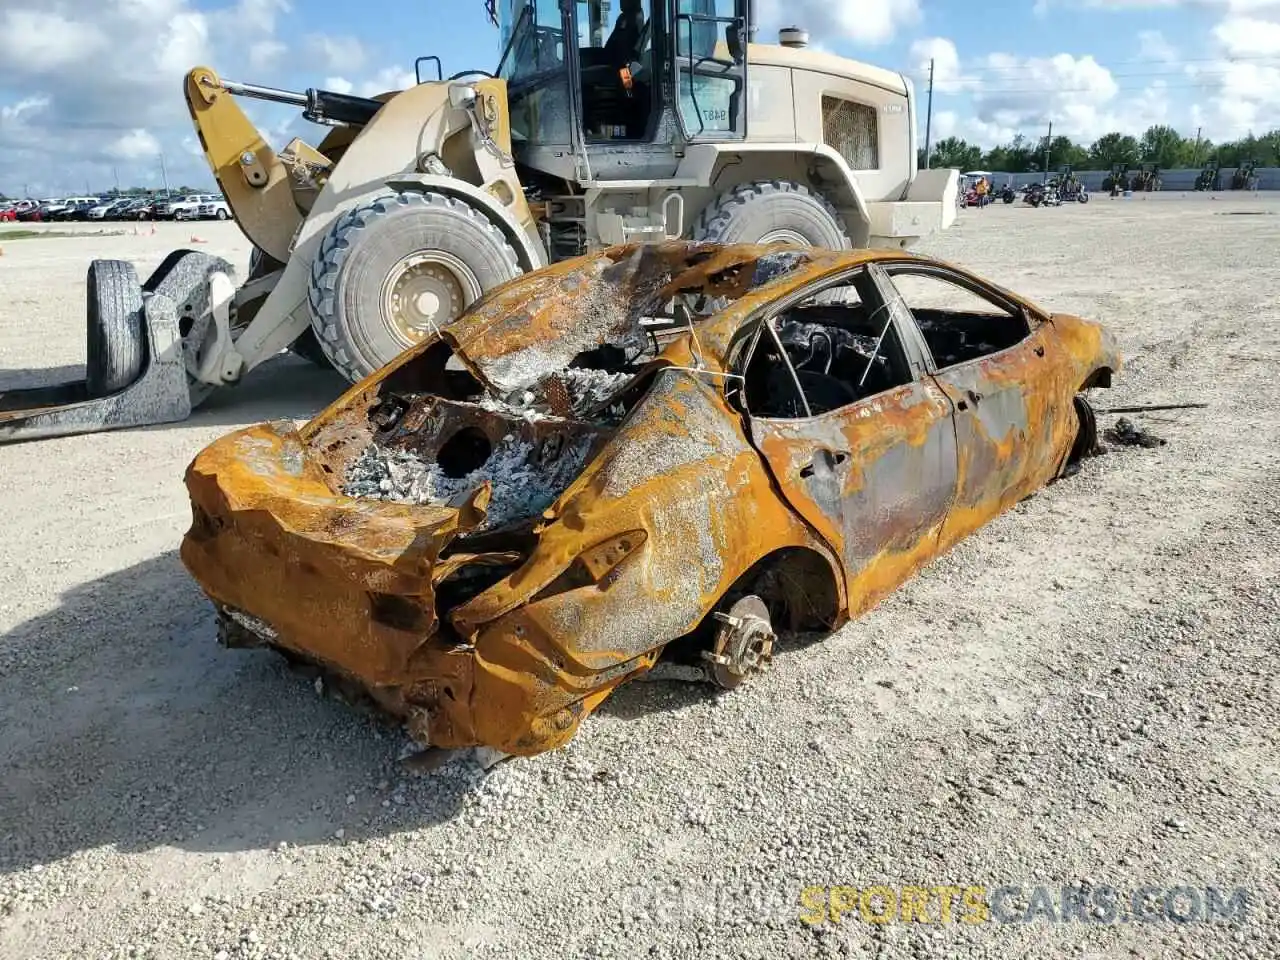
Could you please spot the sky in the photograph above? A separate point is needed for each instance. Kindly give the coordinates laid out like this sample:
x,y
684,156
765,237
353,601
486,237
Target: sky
x,y
91,90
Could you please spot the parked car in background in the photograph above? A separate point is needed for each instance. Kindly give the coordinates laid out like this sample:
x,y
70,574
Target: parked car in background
x,y
214,210
76,208
183,208
140,208
49,209
28,211
108,209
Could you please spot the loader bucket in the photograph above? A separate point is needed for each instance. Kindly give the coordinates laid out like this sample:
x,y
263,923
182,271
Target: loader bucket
x,y
135,372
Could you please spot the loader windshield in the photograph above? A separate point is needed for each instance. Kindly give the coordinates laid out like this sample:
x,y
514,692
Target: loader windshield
x,y
536,68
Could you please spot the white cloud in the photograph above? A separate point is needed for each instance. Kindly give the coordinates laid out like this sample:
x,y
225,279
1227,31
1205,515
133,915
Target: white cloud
x,y
1006,95
338,84
1240,98
1012,94
1237,6
265,53
259,15
870,22
386,79
1248,37
14,113
38,41
183,42
336,53
134,145
946,63
57,130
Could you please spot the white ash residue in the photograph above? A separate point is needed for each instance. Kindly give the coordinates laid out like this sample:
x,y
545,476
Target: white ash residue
x,y
590,388
526,478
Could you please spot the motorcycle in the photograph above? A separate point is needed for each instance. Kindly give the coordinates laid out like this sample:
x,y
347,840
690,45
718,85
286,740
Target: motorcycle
x,y
1007,194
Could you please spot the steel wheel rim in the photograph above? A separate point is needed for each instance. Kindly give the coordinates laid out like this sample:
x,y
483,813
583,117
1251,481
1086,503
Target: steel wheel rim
x,y
424,291
784,235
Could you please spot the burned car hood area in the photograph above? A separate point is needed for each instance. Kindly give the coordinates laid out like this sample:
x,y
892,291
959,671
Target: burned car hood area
x,y
528,508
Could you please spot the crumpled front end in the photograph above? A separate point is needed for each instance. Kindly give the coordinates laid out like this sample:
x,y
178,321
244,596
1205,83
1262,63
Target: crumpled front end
x,y
350,584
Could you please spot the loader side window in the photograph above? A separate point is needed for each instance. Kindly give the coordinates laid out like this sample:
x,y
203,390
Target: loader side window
x,y
536,68
710,82
851,129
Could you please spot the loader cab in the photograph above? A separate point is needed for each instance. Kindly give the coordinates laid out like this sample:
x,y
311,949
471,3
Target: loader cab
x,y
607,89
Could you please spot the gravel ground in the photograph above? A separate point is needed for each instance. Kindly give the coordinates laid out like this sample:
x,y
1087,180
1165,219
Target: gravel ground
x,y
1081,693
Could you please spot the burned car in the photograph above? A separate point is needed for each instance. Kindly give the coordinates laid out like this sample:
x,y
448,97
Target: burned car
x,y
665,450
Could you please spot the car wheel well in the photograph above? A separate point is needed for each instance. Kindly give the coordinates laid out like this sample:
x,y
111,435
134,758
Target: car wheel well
x,y
798,586
1099,378
799,589
1085,443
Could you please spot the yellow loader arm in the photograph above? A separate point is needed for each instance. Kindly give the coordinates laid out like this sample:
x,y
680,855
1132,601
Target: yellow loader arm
x,y
250,173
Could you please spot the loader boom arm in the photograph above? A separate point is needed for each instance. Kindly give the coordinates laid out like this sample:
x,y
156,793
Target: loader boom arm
x,y
250,175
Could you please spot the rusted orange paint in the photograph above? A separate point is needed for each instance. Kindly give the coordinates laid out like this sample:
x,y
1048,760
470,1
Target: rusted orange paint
x,y
353,584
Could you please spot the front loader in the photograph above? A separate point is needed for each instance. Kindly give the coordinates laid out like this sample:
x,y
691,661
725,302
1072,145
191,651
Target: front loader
x,y
667,124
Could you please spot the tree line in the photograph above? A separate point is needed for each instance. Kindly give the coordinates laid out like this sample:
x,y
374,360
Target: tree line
x,y
1160,145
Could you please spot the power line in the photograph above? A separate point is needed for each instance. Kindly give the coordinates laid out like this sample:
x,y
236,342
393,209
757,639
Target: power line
x,y
978,83
1171,61
1051,90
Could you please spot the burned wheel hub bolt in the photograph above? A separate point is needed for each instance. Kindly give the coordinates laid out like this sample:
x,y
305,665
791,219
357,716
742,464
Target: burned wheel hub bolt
x,y
743,643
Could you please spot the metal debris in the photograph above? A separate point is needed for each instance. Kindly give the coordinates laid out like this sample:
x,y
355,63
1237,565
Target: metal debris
x,y
389,539
1127,434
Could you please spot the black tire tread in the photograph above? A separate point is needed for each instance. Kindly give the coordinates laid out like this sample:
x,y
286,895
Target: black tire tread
x,y
337,245
714,221
116,343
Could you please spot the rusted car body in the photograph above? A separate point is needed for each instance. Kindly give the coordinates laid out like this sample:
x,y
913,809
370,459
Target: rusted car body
x,y
789,451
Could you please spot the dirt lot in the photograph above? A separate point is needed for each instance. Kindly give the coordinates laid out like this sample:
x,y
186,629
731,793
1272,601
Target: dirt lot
x,y
1083,693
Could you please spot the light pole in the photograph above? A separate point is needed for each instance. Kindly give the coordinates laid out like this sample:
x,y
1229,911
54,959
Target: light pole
x,y
1048,145
928,117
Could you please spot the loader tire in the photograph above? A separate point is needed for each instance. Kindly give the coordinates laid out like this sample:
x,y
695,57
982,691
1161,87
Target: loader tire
x,y
116,347
361,281
773,211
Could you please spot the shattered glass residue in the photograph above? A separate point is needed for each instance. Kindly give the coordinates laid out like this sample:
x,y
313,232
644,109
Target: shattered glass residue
x,y
526,478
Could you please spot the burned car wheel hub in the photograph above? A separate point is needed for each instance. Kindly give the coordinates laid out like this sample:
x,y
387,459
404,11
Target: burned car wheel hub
x,y
426,290
743,644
